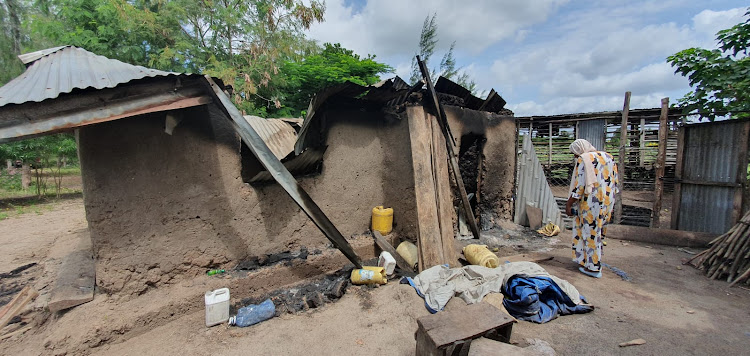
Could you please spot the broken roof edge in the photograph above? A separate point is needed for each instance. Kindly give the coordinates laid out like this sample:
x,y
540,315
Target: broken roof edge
x,y
386,92
87,107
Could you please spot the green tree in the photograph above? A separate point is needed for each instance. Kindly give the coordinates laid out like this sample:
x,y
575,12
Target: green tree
x,y
41,152
242,42
12,38
720,77
333,65
427,41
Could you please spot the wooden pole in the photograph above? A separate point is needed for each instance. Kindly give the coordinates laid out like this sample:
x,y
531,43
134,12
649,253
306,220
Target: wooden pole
x,y
642,145
660,162
624,143
549,160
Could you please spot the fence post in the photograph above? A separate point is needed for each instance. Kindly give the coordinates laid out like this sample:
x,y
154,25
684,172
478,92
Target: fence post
x,y
549,160
660,162
624,143
642,145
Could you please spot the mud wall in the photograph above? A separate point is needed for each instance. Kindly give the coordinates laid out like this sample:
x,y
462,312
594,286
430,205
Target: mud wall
x,y
498,174
163,208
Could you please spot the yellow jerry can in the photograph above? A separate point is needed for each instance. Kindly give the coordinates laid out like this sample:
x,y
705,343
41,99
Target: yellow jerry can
x,y
369,275
382,220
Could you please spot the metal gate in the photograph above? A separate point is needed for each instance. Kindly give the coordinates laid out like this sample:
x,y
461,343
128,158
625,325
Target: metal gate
x,y
711,175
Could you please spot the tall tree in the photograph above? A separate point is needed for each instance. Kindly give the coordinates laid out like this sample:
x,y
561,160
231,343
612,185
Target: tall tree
x,y
427,41
242,42
720,77
11,39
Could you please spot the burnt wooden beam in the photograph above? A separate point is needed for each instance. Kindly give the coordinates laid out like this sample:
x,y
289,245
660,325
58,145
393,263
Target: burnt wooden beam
x,y
442,121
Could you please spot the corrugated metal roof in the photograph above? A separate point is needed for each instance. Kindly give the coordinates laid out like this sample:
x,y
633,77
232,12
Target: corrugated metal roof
x,y
57,71
27,58
278,135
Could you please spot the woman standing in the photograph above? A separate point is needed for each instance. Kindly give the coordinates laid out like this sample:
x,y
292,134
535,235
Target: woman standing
x,y
592,191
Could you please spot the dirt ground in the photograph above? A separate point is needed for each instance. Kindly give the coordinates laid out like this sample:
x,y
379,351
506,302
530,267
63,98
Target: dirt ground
x,y
673,307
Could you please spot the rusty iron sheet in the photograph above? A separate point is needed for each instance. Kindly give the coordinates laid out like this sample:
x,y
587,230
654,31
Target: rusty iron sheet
x,y
108,112
278,135
281,174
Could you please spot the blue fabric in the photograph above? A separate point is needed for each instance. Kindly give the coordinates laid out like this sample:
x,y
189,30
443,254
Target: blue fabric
x,y
539,299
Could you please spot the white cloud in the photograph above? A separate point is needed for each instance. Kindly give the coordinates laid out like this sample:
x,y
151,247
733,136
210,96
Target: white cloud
x,y
709,22
392,27
586,104
597,58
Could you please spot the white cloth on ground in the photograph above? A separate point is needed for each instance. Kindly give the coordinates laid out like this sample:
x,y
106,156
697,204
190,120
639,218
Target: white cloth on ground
x,y
471,283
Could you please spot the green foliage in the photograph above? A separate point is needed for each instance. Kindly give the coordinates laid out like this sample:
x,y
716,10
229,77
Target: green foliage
x,y
11,39
37,150
10,182
720,77
334,65
244,43
427,41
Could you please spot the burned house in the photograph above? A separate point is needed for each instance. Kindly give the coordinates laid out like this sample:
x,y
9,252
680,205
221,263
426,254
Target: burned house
x,y
171,189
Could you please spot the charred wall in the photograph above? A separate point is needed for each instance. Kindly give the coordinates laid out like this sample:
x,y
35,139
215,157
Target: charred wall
x,y
496,135
162,207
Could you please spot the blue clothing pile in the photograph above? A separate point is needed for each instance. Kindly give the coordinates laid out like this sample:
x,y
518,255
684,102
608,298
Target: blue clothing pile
x,y
539,299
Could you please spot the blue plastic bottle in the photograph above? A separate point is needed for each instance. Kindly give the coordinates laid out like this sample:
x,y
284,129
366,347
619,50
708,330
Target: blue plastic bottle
x,y
253,314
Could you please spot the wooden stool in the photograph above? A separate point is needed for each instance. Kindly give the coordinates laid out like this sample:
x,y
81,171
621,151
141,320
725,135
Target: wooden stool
x,y
451,332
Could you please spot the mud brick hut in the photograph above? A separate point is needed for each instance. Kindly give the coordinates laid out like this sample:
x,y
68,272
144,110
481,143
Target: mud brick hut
x,y
170,188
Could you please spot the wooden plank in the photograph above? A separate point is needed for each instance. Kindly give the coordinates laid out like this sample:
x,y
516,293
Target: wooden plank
x,y
677,198
387,247
463,322
660,162
659,236
534,216
451,152
10,310
75,280
17,332
624,144
429,240
443,194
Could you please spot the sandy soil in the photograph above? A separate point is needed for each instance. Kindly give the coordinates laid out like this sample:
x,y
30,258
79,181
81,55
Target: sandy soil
x,y
673,307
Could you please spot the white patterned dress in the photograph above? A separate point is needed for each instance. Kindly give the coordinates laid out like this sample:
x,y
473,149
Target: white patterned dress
x,y
594,210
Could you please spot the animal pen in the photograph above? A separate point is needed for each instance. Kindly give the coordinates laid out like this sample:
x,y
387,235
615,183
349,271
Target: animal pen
x,y
552,135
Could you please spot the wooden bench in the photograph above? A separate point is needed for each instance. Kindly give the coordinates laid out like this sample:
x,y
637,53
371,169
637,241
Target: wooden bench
x,y
450,332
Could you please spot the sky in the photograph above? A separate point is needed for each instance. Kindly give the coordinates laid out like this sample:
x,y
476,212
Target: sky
x,y
543,56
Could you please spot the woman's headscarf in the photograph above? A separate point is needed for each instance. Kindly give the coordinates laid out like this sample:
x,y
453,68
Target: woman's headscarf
x,y
585,150
581,146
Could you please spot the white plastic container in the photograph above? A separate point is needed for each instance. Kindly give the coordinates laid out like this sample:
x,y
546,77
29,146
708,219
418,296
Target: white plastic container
x,y
217,306
387,261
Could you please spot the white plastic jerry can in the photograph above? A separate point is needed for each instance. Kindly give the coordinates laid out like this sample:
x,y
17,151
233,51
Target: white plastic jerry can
x,y
217,306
